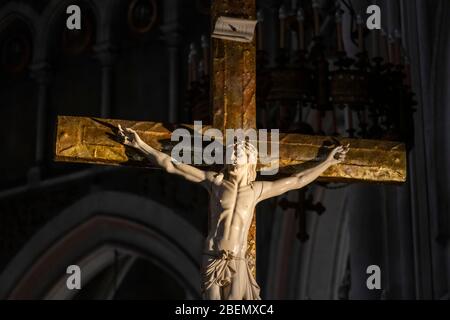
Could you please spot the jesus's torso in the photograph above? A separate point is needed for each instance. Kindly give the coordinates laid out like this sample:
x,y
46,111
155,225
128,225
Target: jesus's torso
x,y
231,212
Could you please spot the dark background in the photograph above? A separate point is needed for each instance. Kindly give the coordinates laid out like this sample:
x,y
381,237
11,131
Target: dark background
x,y
137,233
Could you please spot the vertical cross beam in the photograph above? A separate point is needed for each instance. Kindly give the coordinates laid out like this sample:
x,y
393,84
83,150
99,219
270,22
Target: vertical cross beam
x,y
234,85
234,71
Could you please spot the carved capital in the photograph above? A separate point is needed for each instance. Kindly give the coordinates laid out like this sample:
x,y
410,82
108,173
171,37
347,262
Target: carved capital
x,y
41,72
171,34
105,53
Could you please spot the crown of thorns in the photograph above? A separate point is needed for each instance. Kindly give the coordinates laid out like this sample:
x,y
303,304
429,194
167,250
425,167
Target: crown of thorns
x,y
248,146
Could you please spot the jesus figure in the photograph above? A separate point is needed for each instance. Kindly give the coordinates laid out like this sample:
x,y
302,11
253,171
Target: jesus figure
x,y
233,193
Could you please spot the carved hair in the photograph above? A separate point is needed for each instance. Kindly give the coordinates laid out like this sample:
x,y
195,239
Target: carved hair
x,y
251,152
251,172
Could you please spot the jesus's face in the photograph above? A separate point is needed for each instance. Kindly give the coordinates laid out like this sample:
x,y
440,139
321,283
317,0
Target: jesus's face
x,y
243,162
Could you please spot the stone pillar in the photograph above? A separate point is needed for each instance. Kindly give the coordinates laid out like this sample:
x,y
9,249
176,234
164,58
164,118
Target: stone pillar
x,y
106,56
367,239
269,10
171,36
40,72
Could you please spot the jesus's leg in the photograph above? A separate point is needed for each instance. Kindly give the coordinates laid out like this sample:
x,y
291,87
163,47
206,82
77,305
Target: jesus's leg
x,y
238,282
212,293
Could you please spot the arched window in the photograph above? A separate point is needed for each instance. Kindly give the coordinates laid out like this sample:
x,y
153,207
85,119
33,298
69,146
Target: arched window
x,y
126,247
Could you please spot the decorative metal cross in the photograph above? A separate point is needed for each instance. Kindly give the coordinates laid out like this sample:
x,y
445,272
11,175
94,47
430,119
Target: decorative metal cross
x,y
90,140
301,206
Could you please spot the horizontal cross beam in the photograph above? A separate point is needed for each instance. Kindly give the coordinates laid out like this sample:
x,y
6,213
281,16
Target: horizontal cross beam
x,y
93,140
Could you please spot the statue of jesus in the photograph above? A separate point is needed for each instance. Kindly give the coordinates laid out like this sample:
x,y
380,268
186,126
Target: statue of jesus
x,y
233,193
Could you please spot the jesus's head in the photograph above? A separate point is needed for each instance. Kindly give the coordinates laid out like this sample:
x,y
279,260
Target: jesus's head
x,y
241,164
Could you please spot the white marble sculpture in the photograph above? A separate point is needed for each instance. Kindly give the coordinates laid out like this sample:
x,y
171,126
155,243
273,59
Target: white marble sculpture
x,y
234,193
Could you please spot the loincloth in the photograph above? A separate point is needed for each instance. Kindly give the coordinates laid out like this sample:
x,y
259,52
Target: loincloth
x,y
223,268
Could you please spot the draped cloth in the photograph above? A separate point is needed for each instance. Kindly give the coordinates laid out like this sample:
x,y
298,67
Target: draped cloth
x,y
228,277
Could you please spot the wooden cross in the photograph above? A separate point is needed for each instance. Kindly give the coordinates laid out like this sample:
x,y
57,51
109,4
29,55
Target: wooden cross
x,y
233,88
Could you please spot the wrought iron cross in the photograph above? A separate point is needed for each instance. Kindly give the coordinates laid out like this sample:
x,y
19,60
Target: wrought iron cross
x,y
302,205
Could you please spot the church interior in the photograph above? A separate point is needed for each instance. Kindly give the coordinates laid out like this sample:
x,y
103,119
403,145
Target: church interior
x,y
137,233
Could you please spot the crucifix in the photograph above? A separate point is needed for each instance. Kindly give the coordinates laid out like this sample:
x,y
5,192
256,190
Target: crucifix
x,y
233,88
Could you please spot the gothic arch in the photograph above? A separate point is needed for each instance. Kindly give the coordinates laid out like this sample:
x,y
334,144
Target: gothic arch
x,y
19,11
23,15
52,15
118,220
17,26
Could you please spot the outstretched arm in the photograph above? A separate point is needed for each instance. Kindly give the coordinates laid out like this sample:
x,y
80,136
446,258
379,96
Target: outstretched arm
x,y
303,178
132,139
